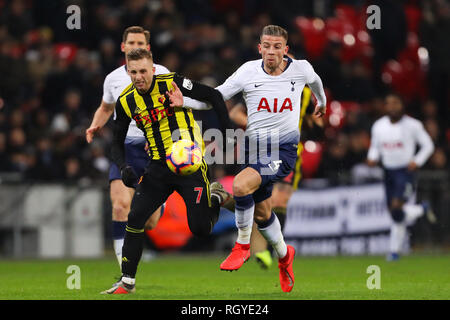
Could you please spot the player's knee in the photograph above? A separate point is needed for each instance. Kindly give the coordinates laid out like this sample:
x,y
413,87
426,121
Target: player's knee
x,y
396,204
240,188
397,215
201,231
200,228
152,221
120,210
260,219
135,220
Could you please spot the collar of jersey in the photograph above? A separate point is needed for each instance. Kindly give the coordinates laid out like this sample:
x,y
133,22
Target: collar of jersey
x,y
289,60
150,89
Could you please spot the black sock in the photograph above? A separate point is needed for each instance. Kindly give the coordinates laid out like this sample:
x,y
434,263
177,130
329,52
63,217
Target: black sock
x,y
132,252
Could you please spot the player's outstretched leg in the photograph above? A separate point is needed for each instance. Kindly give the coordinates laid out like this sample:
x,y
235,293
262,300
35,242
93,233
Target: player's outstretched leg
x,y
398,230
148,197
240,253
121,197
132,250
271,231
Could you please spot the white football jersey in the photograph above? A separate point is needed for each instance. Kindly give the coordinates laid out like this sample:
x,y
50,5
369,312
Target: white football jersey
x,y
273,102
395,143
115,83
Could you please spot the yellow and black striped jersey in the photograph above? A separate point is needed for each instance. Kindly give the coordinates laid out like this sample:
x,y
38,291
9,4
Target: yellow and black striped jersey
x,y
161,123
306,108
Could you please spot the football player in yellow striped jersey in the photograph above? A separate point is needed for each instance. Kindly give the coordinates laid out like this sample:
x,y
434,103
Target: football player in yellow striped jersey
x,y
156,104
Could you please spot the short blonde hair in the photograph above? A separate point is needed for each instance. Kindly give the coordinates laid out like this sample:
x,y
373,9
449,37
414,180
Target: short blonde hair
x,y
138,54
273,30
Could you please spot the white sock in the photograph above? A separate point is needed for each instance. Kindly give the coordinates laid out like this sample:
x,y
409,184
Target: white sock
x,y
397,236
244,235
244,223
273,235
118,244
412,212
130,281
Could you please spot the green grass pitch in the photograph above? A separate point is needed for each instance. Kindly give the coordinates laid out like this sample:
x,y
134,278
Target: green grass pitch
x,y
194,277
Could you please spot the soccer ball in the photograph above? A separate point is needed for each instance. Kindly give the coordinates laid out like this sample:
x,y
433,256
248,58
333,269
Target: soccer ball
x,y
184,158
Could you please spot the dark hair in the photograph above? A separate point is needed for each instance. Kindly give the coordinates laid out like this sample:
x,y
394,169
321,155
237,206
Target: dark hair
x,y
138,54
136,29
395,94
273,30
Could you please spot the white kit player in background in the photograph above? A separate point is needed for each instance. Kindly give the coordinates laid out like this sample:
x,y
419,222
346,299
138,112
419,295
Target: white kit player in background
x,y
272,88
114,84
394,140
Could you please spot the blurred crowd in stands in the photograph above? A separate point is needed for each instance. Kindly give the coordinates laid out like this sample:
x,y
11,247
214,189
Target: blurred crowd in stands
x,y
51,78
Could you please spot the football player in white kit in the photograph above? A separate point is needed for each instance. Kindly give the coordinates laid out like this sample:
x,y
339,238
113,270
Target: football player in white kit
x,y
272,88
394,139
115,82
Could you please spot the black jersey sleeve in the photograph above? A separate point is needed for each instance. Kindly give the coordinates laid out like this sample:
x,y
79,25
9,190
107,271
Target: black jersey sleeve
x,y
120,130
198,91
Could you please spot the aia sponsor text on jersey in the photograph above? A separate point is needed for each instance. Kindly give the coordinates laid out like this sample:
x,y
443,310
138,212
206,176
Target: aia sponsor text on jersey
x,y
393,145
273,107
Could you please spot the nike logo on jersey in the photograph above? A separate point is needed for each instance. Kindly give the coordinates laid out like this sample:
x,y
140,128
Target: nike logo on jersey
x,y
258,85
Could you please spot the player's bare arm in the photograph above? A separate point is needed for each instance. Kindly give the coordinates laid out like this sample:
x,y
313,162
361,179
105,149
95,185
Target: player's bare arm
x,y
238,115
101,117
